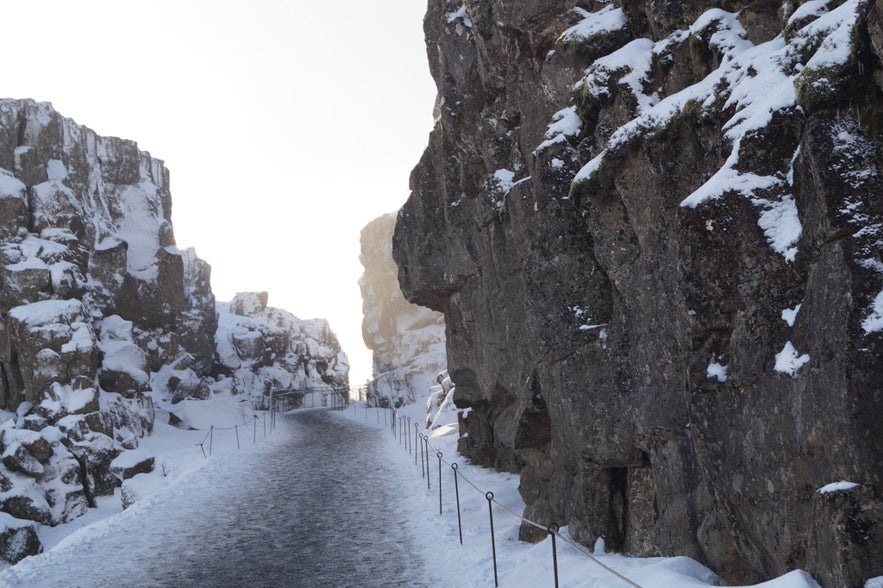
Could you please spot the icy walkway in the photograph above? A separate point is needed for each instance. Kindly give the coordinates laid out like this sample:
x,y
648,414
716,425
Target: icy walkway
x,y
312,510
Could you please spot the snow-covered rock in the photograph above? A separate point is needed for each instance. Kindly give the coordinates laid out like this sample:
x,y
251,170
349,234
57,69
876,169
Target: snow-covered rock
x,y
262,349
101,315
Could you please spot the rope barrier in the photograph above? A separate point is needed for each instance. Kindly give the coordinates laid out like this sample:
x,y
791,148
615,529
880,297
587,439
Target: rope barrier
x,y
551,529
212,428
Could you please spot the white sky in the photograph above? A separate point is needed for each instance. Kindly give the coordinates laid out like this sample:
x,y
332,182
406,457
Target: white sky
x,y
287,125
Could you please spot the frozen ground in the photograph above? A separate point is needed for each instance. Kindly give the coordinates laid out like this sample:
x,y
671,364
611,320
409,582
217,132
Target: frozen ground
x,y
518,564
154,538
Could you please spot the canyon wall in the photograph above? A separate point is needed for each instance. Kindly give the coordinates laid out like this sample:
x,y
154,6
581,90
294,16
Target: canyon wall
x,y
654,230
407,341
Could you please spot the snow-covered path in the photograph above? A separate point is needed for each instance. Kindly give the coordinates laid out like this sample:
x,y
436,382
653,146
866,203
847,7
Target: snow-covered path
x,y
314,510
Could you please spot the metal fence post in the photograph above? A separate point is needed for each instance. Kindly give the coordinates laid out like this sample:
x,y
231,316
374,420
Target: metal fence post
x,y
439,455
490,511
454,467
553,530
426,445
422,465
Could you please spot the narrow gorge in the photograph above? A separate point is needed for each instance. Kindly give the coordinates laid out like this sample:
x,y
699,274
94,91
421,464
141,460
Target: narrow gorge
x,y
654,231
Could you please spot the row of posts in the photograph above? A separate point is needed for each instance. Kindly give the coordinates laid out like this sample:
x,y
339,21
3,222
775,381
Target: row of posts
x,y
212,428
400,425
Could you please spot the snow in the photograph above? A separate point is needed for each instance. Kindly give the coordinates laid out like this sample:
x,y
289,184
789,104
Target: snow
x,y
55,170
789,315
47,311
505,179
460,14
788,361
139,226
183,476
836,48
874,321
565,123
837,487
606,20
809,9
716,370
519,563
874,582
781,225
636,59
755,82
10,185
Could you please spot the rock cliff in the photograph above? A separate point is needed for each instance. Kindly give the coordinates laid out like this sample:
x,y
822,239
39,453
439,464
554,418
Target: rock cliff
x,y
262,348
407,340
654,230
101,317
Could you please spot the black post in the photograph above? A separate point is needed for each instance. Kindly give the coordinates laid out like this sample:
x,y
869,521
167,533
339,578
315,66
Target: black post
x,y
415,444
211,436
439,455
236,427
490,512
422,465
426,444
254,437
553,530
408,435
454,467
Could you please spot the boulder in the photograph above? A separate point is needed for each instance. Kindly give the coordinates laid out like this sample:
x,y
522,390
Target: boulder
x,y
131,463
18,459
54,343
27,501
18,539
249,303
13,205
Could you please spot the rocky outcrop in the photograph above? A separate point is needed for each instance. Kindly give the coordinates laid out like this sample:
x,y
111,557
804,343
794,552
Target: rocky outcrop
x,y
90,278
100,316
262,349
654,232
407,341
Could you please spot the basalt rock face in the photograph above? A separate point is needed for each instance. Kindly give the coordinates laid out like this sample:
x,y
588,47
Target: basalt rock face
x,y
654,230
407,341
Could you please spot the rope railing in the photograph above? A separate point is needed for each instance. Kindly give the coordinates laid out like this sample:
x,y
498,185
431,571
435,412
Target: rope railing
x,y
552,529
210,436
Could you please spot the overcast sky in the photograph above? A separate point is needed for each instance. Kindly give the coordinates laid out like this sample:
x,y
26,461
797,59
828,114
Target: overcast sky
x,y
287,125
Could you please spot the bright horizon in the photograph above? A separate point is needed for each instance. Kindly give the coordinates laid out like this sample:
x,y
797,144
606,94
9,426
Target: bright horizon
x,y
286,127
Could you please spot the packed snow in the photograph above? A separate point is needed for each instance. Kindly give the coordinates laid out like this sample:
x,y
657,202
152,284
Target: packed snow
x,y
179,460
